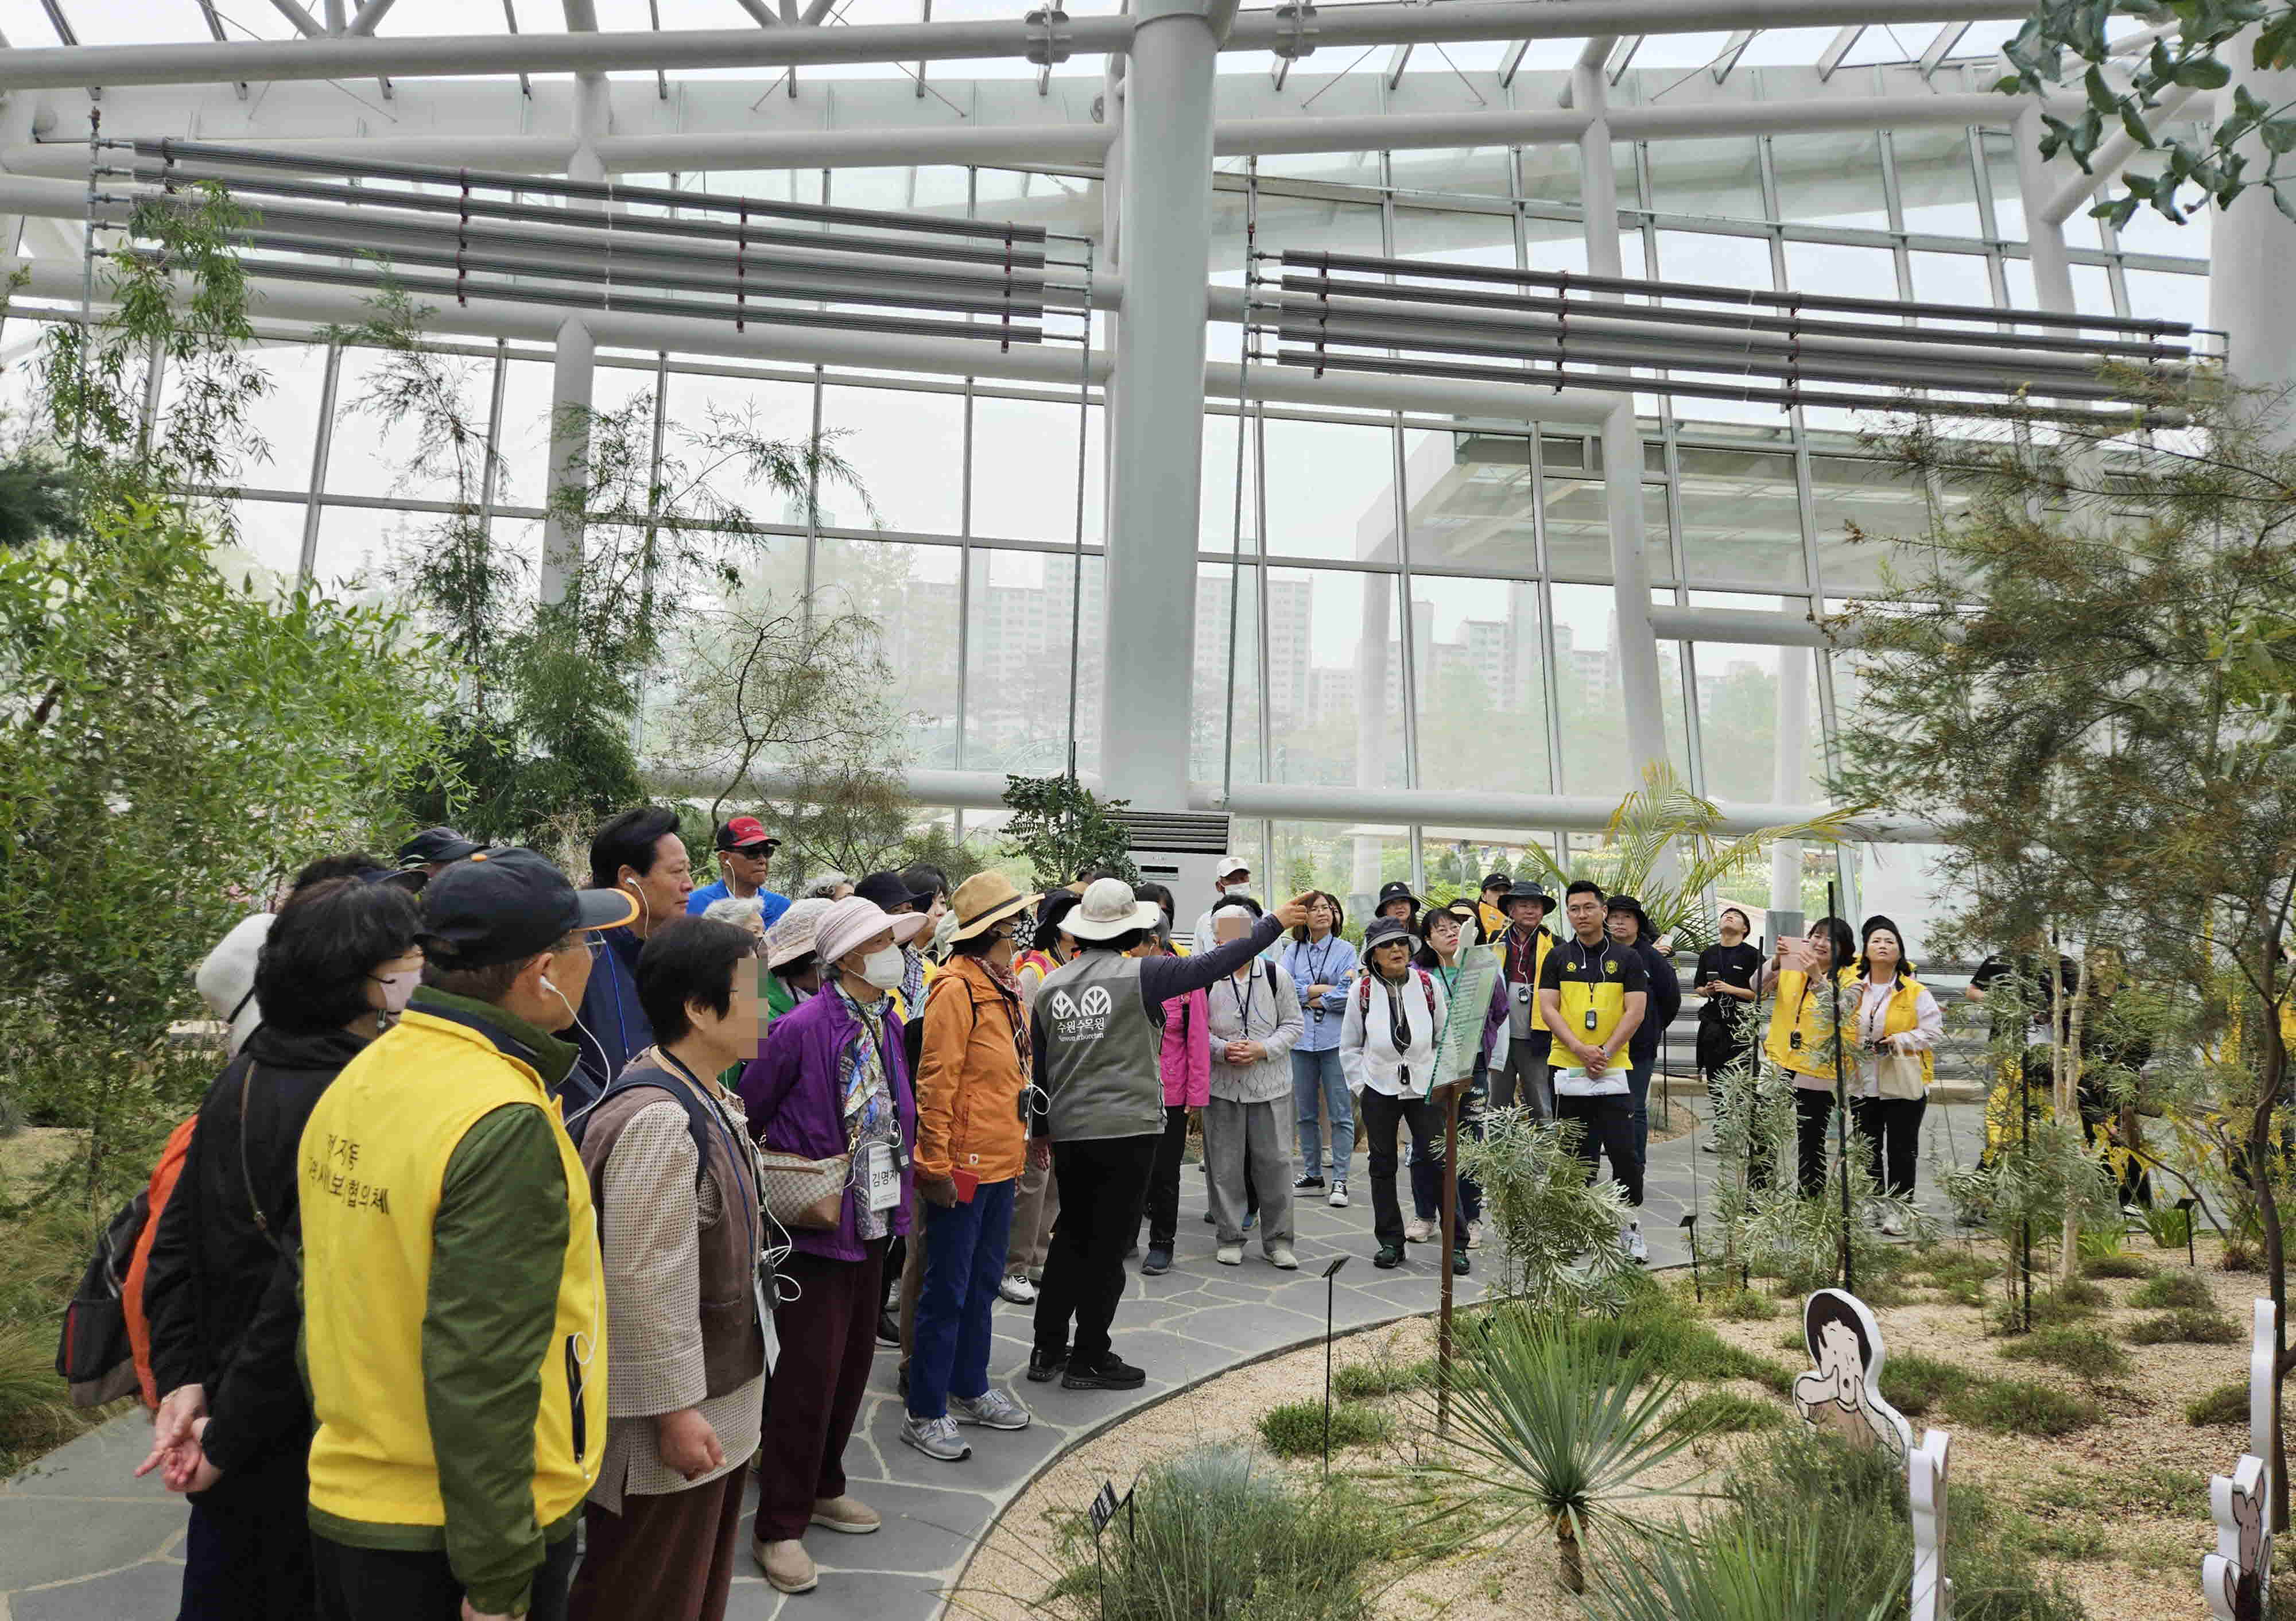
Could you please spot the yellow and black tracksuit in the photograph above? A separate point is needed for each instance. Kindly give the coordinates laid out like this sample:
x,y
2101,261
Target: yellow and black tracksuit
x,y
1591,984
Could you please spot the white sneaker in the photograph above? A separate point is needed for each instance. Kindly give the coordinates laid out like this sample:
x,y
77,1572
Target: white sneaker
x,y
1894,1225
936,1439
1474,1235
1230,1254
1637,1251
1339,1199
1419,1231
1281,1257
1018,1289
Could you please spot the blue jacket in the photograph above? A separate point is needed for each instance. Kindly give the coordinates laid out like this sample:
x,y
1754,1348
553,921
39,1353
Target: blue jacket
x,y
1329,962
770,907
615,1027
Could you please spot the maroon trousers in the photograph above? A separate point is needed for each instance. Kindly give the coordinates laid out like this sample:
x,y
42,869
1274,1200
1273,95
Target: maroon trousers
x,y
828,1335
667,1557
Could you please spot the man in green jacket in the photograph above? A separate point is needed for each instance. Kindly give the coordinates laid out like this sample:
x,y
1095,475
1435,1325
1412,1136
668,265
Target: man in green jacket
x,y
454,1329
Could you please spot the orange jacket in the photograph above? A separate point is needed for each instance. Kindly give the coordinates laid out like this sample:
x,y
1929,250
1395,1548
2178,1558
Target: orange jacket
x,y
969,1077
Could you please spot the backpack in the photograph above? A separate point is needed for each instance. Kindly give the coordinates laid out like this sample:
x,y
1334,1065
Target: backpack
x,y
104,1352
1363,991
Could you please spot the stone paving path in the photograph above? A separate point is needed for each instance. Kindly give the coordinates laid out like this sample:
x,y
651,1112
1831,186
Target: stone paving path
x,y
82,1539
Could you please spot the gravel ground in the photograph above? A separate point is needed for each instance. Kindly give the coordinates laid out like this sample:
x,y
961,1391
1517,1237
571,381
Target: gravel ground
x,y
2149,1566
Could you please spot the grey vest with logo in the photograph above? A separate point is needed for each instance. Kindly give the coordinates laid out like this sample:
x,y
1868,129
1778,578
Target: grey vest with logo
x,y
1101,1050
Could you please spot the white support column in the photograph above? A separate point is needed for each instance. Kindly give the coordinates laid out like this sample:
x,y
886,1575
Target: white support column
x,y
1792,764
2053,276
574,356
1158,399
2249,249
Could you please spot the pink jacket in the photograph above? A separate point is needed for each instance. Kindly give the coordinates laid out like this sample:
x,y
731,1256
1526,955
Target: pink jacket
x,y
1187,1060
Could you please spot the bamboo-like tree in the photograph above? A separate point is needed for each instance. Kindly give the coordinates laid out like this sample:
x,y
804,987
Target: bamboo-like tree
x,y
2086,678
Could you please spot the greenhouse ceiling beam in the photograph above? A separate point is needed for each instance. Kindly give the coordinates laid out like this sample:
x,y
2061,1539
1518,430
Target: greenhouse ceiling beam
x,y
1749,626
1087,144
194,62
1446,807
1052,366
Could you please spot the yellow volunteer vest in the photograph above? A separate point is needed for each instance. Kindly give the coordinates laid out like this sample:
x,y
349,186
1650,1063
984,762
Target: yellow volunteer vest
x,y
373,1161
1802,1010
1608,1000
1903,1014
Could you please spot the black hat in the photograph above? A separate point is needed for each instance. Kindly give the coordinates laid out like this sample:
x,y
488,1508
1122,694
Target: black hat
x,y
1388,931
888,892
1396,891
501,905
436,844
1495,880
1527,889
1628,904
1866,929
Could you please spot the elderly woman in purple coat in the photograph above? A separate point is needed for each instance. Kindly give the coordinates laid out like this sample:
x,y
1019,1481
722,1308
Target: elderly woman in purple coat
x,y
832,1080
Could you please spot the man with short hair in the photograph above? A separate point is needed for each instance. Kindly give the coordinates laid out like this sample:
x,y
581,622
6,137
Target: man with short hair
x,y
745,853
1490,906
1231,878
1592,993
1523,948
639,855
453,1301
1629,926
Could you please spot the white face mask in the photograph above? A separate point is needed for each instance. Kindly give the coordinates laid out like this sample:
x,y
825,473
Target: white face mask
x,y
882,968
1236,887
397,988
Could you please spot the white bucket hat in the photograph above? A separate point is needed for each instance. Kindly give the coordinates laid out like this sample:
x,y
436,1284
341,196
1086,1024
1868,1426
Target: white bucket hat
x,y
1108,908
791,934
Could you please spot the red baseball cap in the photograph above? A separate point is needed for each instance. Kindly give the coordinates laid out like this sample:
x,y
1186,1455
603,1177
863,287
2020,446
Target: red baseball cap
x,y
744,831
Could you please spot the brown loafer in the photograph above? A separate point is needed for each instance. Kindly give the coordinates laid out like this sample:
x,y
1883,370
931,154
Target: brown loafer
x,y
788,1567
845,1514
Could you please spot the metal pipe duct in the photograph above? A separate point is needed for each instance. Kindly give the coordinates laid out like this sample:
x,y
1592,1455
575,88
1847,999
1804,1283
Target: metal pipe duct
x,y
1451,808
1749,626
71,67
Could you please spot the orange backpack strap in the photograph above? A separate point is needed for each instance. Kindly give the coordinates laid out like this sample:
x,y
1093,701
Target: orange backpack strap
x,y
164,1177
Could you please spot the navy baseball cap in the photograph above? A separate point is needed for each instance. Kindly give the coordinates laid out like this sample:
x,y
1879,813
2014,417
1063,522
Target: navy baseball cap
x,y
500,905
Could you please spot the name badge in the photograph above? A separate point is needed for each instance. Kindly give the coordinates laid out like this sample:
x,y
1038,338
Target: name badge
x,y
883,1173
1590,1018
1523,994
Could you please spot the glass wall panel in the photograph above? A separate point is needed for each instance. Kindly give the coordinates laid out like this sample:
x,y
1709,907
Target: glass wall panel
x,y
916,188
1024,469
1937,189
1740,517
1350,860
270,546
1350,732
370,457
911,593
1216,514
908,449
1480,171
358,546
1550,171
1738,712
1578,527
1721,177
2000,148
1713,260
1470,501
769,409
1589,702
1066,203
1017,660
1481,690
1829,268
1875,498
285,416
2157,296
1951,278
1456,234
1225,709
1331,491
1832,179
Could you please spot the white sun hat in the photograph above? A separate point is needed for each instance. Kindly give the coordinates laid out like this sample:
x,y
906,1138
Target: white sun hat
x,y
1108,908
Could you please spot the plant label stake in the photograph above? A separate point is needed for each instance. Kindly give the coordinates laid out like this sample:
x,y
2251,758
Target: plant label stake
x,y
1689,1226
1331,1294
1926,1467
1105,1505
2186,1204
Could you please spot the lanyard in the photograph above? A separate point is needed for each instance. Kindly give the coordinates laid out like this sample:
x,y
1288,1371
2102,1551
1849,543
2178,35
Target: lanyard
x,y
1243,998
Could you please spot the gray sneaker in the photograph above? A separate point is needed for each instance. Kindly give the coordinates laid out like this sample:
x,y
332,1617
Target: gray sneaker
x,y
992,1409
936,1439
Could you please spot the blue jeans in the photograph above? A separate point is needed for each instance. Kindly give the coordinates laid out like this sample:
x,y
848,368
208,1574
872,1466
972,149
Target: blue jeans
x,y
1638,1080
965,1262
1317,1076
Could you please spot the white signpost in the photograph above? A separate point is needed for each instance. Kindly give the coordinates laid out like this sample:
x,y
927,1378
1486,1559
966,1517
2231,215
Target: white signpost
x,y
2236,1579
1925,1471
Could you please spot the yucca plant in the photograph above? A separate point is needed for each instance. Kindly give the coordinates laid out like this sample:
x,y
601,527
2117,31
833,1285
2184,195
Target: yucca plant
x,y
1664,814
1556,1424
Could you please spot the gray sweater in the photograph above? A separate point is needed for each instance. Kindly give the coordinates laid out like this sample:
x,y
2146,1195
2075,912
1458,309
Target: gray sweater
x,y
1264,1008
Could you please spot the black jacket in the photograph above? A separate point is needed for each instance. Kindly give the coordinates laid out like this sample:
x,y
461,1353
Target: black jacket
x,y
1659,1012
219,1291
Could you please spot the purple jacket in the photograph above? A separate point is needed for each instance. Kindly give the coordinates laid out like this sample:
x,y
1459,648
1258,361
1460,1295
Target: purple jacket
x,y
792,1092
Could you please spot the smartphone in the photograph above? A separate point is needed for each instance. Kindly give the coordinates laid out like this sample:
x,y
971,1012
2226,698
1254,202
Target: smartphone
x,y
967,1185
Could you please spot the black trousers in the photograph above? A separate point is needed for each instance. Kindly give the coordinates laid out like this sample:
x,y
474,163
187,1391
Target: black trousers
x,y
1813,1113
1606,1126
1163,1203
247,1556
380,1584
1377,1117
1104,1184
1890,1130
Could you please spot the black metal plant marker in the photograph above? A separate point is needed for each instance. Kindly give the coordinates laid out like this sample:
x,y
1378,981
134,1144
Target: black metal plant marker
x,y
1331,1295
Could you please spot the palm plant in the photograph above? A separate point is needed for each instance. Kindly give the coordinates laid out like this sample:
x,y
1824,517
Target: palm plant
x,y
1557,1423
1664,819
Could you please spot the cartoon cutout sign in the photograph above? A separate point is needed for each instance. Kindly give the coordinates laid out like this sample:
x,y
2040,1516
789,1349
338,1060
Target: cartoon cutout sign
x,y
2232,1578
1844,1392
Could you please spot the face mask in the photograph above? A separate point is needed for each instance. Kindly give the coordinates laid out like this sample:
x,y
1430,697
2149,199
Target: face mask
x,y
1237,888
397,988
882,968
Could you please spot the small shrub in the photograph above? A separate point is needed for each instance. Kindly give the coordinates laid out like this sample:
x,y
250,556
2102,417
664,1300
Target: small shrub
x,y
2170,1227
1721,1412
2079,1292
1949,1266
1686,1348
1295,1429
2151,1489
2185,1326
2017,1407
1793,1340
1747,1306
2169,1290
1382,1375
2225,1405
2117,1265
2082,1351
2091,1243
2240,1255
1914,1384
